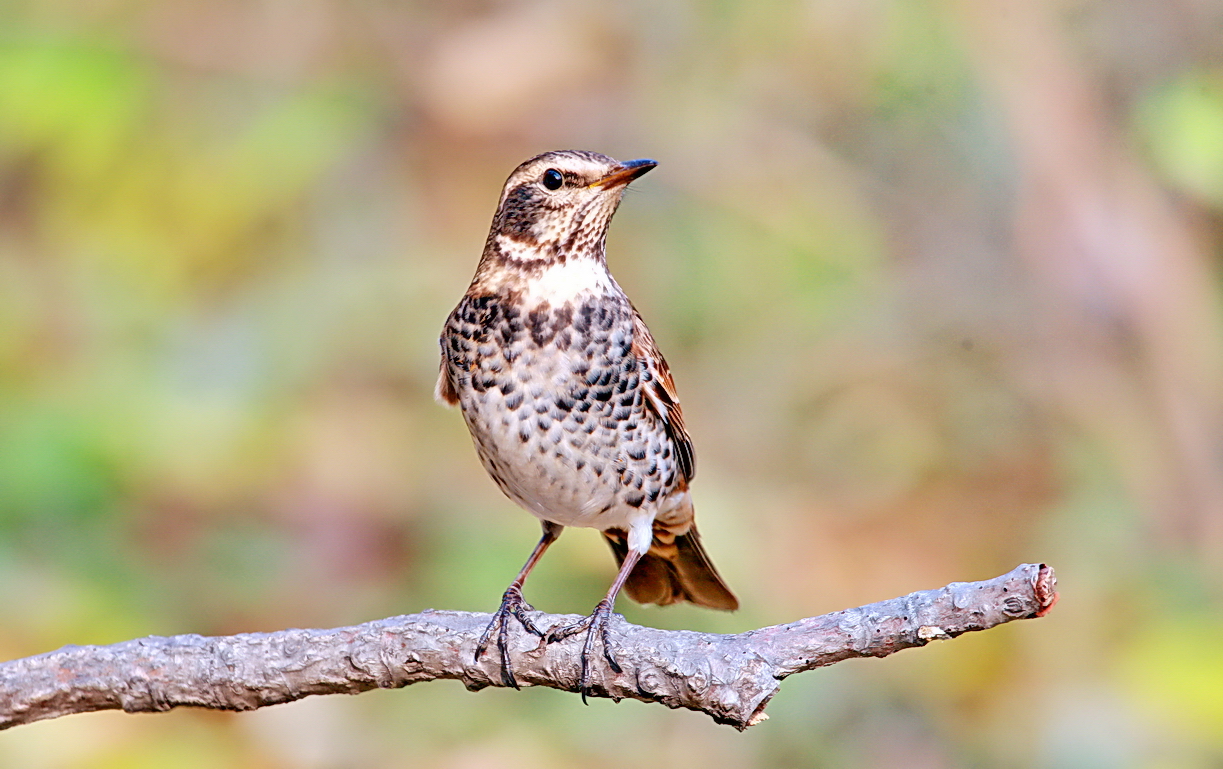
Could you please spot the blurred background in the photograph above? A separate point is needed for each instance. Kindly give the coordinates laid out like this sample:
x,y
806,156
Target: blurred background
x,y
938,282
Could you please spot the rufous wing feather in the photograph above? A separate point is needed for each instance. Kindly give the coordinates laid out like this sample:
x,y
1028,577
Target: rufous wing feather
x,y
661,396
445,393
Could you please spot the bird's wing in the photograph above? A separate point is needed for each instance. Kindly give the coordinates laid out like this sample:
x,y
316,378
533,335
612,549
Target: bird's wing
x,y
445,393
661,397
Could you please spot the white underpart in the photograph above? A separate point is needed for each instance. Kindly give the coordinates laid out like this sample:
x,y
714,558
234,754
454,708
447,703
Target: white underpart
x,y
564,281
641,533
574,278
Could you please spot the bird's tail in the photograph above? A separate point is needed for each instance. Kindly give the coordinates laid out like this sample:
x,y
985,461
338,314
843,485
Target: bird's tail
x,y
675,569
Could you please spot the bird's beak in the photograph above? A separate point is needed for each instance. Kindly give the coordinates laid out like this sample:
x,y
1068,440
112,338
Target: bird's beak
x,y
625,173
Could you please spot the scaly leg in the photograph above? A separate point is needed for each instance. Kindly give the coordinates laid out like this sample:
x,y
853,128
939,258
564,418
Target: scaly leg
x,y
599,622
513,605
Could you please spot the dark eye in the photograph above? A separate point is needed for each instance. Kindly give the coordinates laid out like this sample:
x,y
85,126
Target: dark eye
x,y
553,179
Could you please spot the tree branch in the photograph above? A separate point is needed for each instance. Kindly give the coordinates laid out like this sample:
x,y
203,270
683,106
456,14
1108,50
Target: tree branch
x,y
730,677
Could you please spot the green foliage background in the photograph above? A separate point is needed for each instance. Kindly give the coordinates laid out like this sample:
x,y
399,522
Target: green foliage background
x,y
938,282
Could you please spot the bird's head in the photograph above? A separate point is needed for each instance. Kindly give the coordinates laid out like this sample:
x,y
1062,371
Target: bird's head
x,y
558,205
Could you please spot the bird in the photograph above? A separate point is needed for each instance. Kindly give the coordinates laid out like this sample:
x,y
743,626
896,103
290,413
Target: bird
x,y
571,407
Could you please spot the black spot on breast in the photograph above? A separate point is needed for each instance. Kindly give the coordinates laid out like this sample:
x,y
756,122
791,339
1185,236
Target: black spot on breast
x,y
514,401
581,324
603,395
539,322
634,499
508,387
507,324
636,453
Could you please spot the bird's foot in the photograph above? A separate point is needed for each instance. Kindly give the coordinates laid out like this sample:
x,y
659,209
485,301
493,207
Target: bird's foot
x,y
598,623
512,605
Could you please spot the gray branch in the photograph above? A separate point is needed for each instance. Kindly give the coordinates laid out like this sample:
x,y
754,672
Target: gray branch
x,y
730,677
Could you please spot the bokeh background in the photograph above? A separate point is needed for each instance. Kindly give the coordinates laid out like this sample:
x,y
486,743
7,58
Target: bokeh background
x,y
938,281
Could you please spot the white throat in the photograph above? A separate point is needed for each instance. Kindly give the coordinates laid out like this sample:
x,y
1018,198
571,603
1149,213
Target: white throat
x,y
576,277
569,280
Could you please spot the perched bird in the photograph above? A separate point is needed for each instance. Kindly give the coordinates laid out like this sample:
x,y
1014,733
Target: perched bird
x,y
570,404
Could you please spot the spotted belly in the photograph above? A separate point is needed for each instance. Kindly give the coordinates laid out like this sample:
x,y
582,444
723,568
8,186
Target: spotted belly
x,y
556,409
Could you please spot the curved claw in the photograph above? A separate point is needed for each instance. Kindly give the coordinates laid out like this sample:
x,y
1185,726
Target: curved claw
x,y
512,605
599,622
607,646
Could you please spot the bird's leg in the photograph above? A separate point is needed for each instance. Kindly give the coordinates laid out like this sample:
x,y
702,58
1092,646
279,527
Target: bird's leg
x,y
513,605
599,622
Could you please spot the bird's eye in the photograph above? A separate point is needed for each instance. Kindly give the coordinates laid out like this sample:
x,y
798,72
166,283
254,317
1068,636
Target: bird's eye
x,y
553,179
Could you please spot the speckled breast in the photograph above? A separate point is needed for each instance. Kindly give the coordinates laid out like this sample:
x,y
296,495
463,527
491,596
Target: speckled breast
x,y
554,400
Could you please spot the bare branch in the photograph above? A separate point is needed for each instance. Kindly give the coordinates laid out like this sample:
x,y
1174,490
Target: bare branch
x,y
730,677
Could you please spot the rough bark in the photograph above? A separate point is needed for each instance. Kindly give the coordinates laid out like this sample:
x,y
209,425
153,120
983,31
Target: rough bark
x,y
730,677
